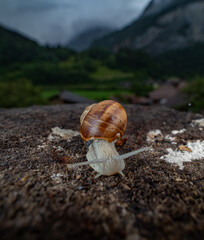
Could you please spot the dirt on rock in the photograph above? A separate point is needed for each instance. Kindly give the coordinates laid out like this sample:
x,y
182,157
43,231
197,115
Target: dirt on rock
x,y
40,198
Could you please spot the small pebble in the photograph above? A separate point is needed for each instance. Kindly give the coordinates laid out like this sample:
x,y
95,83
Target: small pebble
x,y
80,187
78,177
125,186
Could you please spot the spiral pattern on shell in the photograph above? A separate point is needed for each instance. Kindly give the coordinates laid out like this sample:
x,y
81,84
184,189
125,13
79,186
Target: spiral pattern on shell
x,y
105,120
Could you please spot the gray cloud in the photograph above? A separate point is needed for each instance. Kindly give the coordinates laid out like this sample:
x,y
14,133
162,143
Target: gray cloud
x,y
19,6
44,6
57,21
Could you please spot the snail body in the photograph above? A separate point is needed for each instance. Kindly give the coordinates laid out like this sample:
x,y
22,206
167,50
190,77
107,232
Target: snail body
x,y
109,152
102,124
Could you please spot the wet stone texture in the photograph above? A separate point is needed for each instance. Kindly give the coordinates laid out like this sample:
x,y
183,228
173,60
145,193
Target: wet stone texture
x,y
40,198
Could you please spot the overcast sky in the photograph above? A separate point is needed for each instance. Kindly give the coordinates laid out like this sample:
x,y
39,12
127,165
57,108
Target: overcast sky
x,y
57,21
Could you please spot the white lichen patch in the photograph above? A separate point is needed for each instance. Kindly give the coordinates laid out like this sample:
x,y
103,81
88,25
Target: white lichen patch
x,y
153,135
51,137
179,157
199,122
174,132
65,134
158,135
169,138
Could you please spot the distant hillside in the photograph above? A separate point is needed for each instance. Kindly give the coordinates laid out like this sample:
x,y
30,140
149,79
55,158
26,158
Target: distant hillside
x,y
185,62
15,48
84,39
157,6
164,25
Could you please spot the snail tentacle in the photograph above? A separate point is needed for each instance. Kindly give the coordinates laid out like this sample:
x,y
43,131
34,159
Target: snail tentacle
x,y
116,158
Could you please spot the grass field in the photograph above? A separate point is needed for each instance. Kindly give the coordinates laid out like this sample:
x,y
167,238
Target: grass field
x,y
100,95
105,73
107,83
47,94
92,94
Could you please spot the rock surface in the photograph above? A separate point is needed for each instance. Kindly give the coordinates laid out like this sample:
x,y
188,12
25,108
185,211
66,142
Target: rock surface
x,y
41,199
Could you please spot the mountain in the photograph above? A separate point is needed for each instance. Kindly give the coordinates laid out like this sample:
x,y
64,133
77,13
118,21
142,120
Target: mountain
x,y
157,6
15,48
164,25
84,39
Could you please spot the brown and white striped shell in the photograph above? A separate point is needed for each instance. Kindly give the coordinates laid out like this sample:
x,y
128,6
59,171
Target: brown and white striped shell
x,y
105,120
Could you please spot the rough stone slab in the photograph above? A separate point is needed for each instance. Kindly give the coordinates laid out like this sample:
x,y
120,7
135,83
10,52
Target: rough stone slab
x,y
41,199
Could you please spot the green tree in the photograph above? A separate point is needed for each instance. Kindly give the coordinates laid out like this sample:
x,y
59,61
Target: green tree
x,y
195,90
19,93
140,88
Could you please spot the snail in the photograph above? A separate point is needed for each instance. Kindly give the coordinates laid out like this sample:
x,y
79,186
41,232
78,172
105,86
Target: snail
x,y
102,124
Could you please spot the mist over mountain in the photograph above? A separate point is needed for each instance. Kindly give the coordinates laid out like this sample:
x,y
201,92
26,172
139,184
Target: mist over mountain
x,y
84,39
156,6
59,21
164,25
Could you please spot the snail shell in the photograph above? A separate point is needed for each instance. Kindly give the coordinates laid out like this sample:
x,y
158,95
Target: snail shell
x,y
105,120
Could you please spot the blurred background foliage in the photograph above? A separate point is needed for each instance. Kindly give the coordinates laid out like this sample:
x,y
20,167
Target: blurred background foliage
x,y
195,91
30,74
20,93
